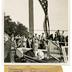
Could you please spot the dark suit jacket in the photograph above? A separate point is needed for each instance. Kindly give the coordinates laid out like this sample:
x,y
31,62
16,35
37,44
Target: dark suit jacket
x,y
30,53
28,45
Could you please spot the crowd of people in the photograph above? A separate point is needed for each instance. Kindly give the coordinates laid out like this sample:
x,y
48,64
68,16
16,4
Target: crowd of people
x,y
36,42
22,41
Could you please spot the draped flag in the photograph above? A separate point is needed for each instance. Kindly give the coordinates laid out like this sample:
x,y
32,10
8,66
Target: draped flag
x,y
44,4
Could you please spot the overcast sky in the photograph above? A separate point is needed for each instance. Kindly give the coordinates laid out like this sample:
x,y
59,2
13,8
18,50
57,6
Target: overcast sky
x,y
57,10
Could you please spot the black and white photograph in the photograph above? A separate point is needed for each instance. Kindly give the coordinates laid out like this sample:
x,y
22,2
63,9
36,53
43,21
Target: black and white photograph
x,y
36,31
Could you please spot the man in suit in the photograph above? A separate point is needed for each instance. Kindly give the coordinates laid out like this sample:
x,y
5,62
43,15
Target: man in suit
x,y
29,43
62,39
35,53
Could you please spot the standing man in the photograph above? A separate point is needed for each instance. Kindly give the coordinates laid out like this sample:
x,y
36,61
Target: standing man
x,y
62,39
42,37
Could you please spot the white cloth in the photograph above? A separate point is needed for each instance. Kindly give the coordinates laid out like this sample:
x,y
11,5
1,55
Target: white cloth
x,y
39,54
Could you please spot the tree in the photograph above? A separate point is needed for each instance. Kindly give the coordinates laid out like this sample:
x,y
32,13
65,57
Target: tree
x,y
21,30
11,27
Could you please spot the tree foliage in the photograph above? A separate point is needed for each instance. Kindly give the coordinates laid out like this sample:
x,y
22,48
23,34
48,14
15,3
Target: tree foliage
x,y
11,27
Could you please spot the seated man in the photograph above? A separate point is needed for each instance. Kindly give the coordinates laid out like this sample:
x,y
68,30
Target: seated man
x,y
35,53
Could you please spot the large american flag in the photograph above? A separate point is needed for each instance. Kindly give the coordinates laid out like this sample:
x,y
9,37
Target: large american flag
x,y
44,4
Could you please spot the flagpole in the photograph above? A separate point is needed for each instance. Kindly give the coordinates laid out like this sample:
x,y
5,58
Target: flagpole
x,y
31,18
